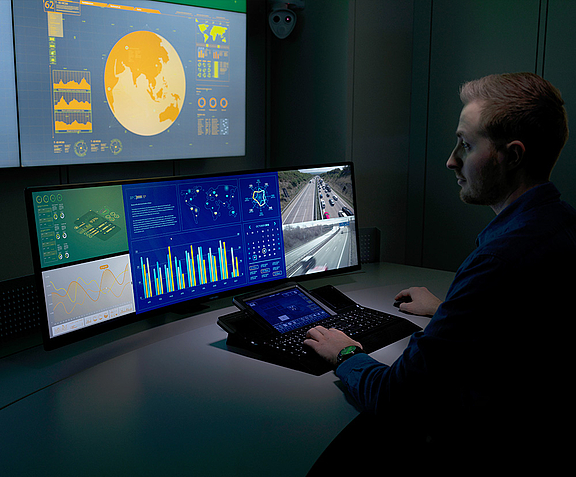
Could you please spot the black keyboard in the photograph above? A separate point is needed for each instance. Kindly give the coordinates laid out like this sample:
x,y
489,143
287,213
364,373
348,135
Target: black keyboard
x,y
365,325
372,328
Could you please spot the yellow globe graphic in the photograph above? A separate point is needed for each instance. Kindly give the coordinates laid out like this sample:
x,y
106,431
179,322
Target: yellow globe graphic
x,y
145,83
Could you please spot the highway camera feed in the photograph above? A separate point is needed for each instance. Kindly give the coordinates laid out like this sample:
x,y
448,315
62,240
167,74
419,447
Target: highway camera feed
x,y
318,221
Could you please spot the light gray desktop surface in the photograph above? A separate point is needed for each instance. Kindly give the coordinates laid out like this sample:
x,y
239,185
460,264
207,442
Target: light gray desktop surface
x,y
168,398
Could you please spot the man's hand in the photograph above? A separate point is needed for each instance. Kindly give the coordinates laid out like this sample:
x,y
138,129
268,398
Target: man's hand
x,y
418,301
328,343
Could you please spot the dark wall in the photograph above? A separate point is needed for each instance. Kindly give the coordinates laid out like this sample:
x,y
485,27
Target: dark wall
x,y
340,90
308,86
559,67
456,41
376,82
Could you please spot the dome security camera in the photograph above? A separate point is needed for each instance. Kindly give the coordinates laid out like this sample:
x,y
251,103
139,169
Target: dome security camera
x,y
282,22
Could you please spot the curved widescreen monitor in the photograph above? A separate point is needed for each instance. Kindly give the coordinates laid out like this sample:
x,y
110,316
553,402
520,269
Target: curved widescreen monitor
x,y
105,253
132,80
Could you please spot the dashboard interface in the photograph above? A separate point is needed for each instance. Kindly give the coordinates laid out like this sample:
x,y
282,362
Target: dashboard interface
x,y
135,80
8,123
288,310
104,251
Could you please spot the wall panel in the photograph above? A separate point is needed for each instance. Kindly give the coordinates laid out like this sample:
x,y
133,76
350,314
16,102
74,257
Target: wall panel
x,y
469,39
559,68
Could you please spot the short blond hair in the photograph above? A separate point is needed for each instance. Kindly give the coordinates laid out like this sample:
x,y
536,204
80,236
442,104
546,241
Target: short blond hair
x,y
524,107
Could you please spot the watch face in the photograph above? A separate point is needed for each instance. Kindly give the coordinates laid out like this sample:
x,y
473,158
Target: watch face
x,y
348,350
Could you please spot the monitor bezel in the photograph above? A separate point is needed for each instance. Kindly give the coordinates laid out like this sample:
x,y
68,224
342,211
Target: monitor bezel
x,y
185,308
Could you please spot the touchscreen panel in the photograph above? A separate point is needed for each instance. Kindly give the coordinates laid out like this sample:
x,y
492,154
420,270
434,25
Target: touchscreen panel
x,y
287,310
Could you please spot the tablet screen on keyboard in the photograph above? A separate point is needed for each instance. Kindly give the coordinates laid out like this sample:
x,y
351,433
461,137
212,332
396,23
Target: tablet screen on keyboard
x,y
288,309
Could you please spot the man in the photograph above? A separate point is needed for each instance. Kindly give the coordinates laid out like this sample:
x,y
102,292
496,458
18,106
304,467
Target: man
x,y
489,374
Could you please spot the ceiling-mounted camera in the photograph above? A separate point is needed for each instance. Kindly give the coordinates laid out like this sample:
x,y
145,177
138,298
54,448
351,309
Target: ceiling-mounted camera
x,y
282,19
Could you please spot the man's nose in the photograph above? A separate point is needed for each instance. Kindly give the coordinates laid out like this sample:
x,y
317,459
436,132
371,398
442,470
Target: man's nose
x,y
453,161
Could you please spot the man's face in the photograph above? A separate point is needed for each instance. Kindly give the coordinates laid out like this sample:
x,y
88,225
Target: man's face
x,y
478,166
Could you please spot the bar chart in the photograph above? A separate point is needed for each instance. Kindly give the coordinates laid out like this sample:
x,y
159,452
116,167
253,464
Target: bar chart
x,y
181,267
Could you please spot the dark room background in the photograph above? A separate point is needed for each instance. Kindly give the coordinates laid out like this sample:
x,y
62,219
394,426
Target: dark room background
x,y
374,82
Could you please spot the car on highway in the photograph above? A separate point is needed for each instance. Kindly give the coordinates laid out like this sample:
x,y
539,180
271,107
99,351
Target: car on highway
x,y
347,211
308,263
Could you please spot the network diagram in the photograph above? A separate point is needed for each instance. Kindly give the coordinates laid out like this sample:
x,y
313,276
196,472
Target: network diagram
x,y
260,200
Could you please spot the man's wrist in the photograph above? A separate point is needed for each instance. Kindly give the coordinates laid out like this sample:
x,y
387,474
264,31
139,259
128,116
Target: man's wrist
x,y
348,352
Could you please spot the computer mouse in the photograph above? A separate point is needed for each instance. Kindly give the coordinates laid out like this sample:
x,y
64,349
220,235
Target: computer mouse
x,y
405,299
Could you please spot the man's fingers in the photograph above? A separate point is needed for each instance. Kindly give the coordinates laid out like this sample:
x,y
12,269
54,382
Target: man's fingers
x,y
316,332
402,294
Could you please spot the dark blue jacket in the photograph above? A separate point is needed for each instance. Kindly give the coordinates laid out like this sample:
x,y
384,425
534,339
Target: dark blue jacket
x,y
500,345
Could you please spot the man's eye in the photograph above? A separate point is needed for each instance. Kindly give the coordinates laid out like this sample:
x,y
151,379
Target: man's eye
x,y
465,145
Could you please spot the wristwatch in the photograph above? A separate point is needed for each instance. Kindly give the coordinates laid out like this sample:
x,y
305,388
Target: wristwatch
x,y
348,352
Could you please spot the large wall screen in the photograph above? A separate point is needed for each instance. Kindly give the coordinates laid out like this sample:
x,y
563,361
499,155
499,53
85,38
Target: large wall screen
x,y
8,124
130,81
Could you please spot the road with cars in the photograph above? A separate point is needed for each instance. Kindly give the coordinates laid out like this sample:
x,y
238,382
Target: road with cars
x,y
302,207
317,200
332,204
331,251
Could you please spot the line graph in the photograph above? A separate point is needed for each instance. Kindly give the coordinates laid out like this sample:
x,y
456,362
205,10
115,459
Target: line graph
x,y
93,291
71,103
71,80
78,291
72,97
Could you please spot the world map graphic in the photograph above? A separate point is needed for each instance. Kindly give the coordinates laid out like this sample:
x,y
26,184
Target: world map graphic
x,y
216,200
145,83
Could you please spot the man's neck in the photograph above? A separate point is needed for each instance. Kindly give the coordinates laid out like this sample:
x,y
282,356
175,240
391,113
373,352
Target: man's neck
x,y
512,196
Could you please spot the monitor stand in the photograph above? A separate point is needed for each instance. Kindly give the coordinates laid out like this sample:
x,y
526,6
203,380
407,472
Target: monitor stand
x,y
185,309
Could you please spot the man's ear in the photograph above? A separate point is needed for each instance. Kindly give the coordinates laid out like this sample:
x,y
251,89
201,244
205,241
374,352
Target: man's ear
x,y
515,154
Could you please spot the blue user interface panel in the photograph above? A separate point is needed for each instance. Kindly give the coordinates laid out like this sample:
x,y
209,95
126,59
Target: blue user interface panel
x,y
108,250
197,237
288,309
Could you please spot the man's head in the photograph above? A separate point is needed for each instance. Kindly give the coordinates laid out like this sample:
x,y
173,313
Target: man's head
x,y
526,108
511,131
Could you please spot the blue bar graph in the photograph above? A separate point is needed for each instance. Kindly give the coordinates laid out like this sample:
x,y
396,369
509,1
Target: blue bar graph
x,y
195,266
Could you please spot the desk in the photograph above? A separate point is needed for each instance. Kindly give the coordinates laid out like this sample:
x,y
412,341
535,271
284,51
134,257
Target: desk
x,y
171,400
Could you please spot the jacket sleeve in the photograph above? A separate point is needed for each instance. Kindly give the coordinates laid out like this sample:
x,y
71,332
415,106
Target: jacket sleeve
x,y
447,361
